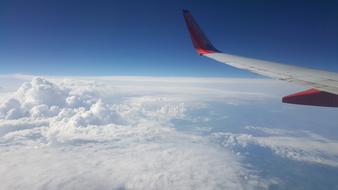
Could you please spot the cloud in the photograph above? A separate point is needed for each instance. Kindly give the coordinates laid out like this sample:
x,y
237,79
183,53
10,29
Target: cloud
x,y
148,133
81,134
295,145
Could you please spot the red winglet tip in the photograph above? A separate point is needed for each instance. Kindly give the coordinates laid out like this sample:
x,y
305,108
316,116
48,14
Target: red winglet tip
x,y
204,51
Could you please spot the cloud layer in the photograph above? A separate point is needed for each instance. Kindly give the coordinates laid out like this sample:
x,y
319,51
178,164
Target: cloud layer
x,y
66,136
156,133
295,145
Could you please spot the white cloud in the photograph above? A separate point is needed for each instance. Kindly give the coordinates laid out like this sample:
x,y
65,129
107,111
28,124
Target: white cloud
x,y
88,135
119,132
295,145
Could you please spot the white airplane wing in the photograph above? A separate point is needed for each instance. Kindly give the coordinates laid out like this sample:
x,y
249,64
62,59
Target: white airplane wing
x,y
324,91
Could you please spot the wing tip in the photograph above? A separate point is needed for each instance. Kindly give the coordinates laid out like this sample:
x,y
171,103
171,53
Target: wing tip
x,y
200,41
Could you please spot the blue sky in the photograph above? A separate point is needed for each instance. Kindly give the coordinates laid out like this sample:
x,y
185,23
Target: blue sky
x,y
150,38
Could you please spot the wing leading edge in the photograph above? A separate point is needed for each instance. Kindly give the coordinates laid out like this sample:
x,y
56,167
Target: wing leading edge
x,y
324,84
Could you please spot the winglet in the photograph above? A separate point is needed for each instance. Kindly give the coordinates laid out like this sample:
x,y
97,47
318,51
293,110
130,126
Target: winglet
x,y
198,38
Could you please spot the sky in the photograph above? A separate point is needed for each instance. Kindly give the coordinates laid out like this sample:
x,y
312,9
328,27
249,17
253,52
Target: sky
x,y
149,38
111,95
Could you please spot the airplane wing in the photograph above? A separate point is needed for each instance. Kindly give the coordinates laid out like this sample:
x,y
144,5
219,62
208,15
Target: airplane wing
x,y
324,91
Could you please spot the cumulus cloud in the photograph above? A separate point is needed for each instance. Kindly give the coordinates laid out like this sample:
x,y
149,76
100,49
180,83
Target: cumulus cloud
x,y
70,135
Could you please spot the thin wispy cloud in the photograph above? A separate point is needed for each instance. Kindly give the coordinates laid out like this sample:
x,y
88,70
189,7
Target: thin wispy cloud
x,y
295,145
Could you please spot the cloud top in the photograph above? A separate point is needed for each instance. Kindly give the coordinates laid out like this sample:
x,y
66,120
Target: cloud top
x,y
66,137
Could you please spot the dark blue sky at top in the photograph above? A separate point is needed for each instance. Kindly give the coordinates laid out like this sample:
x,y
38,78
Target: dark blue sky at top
x,y
79,37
